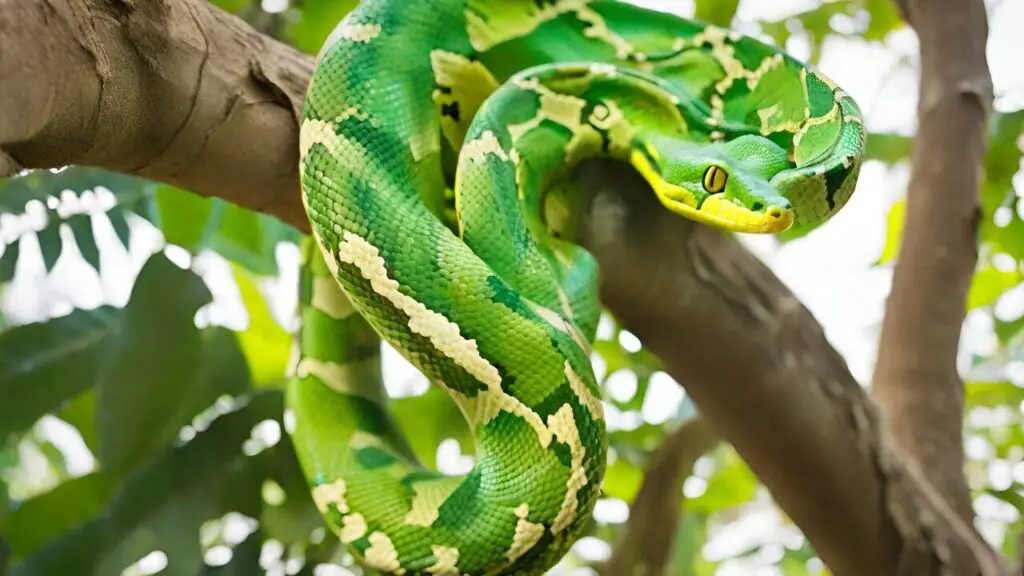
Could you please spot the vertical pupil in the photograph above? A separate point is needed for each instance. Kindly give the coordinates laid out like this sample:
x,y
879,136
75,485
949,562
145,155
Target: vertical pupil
x,y
714,179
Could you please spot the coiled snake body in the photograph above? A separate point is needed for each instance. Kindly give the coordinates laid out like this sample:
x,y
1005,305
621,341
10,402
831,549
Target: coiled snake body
x,y
437,144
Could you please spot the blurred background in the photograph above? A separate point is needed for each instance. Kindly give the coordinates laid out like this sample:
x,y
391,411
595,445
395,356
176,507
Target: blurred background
x,y
78,274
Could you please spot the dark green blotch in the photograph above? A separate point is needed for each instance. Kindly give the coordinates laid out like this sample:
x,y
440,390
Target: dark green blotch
x,y
833,181
373,457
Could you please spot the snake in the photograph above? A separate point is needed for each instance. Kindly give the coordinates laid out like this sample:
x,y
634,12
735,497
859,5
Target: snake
x,y
437,146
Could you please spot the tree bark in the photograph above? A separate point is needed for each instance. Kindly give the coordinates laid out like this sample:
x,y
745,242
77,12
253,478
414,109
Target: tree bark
x,y
181,93
916,379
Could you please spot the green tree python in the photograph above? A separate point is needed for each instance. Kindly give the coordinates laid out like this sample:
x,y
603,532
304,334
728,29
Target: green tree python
x,y
437,144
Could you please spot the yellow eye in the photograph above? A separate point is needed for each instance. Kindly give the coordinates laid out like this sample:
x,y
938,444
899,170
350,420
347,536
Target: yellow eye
x,y
715,179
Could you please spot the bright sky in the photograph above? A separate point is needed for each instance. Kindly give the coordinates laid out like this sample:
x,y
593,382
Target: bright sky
x,y
830,270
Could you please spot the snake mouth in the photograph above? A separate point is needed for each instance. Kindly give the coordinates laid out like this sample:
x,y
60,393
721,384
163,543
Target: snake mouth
x,y
721,213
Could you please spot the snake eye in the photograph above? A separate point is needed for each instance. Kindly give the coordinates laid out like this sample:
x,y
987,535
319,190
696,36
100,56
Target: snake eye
x,y
715,178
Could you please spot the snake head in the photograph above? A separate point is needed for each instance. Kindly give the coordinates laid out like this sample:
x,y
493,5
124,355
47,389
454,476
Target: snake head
x,y
725,185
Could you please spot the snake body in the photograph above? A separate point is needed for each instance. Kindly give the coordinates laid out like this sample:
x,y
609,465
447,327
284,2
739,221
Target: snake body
x,y
436,145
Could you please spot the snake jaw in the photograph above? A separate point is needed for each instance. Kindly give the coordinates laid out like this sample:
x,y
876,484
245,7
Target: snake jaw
x,y
715,210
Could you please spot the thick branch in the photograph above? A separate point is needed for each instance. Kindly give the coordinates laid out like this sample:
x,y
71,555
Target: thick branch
x,y
181,93
916,379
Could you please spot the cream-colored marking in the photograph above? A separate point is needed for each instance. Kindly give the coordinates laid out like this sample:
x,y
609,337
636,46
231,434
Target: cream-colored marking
x,y
478,149
353,527
447,558
563,424
442,333
348,31
469,83
526,536
382,555
426,504
445,336
598,29
351,156
360,440
579,387
330,493
359,32
349,378
563,109
329,299
515,21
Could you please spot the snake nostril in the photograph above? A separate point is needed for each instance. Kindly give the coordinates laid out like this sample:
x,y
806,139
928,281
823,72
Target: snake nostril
x,y
775,212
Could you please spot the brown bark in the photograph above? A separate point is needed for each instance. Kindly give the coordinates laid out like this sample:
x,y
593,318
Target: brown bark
x,y
646,544
181,93
916,380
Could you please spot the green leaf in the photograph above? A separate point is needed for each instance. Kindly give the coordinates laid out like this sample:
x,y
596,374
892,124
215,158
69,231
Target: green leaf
x,y
428,419
887,148
152,364
732,485
46,516
988,284
9,261
318,18
893,232
46,364
182,472
717,12
622,480
992,394
183,217
250,238
81,413
41,186
81,228
266,344
1006,331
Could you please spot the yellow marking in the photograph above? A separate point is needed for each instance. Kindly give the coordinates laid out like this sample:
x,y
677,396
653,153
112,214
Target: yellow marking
x,y
358,32
445,336
716,210
715,178
563,425
382,555
487,404
349,378
767,65
360,440
351,156
599,29
477,150
563,109
583,392
332,493
470,83
426,504
353,527
443,333
526,536
447,558
329,299
517,20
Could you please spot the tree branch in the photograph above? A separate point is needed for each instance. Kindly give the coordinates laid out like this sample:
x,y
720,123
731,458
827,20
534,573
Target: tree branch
x,y
182,93
916,379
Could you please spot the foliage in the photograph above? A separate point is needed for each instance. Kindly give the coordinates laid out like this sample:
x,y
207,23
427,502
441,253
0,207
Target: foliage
x,y
136,437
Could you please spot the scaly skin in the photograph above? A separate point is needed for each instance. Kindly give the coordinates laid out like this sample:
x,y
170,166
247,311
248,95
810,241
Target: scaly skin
x,y
435,145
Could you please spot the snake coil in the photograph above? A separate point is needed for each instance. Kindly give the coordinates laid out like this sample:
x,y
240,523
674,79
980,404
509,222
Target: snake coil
x,y
436,146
